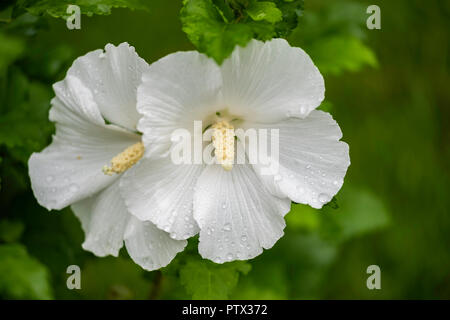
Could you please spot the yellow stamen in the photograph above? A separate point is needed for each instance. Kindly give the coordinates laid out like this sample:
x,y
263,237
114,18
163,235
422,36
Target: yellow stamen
x,y
223,142
125,160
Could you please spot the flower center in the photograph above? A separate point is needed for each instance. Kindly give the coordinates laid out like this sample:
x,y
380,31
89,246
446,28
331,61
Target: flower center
x,y
125,160
223,142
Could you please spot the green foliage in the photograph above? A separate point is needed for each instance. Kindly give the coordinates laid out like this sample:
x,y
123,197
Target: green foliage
x,y
341,53
114,278
58,8
323,253
206,280
26,277
216,27
10,231
10,49
266,11
359,212
334,38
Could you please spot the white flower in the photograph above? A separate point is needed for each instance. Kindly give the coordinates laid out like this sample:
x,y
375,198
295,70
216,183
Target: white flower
x,y
237,211
95,115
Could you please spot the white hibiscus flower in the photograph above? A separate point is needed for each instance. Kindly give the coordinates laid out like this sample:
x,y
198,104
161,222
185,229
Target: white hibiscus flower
x,y
237,210
95,141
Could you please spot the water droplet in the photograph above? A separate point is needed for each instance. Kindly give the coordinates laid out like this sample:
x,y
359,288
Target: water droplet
x,y
224,205
230,256
244,238
227,227
302,110
73,188
308,166
49,178
323,197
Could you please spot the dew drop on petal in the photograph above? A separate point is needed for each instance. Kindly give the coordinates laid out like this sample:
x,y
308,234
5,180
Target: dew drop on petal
x,y
323,197
73,188
227,227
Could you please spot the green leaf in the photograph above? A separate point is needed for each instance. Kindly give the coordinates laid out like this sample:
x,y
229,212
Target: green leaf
x,y
341,53
265,10
24,124
206,280
22,276
215,27
58,8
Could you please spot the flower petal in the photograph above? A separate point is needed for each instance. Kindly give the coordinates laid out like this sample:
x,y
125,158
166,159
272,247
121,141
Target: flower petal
x,y
161,192
312,161
271,81
107,223
150,247
175,91
104,218
70,168
236,214
113,76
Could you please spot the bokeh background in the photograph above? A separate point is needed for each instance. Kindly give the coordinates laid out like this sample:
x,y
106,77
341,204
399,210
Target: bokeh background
x,y
389,91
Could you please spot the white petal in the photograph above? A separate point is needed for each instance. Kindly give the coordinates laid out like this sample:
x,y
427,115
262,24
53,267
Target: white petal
x,y
104,218
236,214
150,247
113,77
175,91
162,192
271,81
70,168
312,160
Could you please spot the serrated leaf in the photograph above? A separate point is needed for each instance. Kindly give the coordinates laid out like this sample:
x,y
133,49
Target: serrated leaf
x,y
206,280
22,276
215,27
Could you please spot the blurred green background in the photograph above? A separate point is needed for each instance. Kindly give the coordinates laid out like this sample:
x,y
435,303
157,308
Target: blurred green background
x,y
388,90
